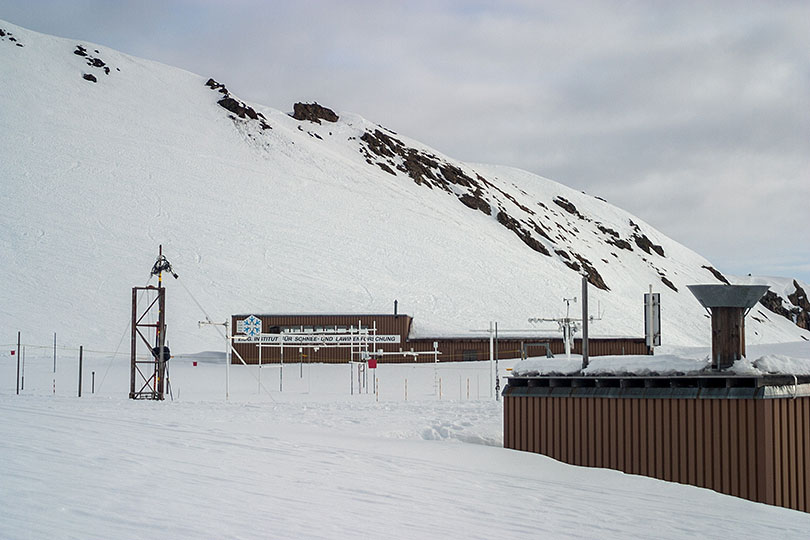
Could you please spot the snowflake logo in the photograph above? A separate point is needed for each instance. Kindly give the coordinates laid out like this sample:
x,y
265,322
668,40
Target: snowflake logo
x,y
252,326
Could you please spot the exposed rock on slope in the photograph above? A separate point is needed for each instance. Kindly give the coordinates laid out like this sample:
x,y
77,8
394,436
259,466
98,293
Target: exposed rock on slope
x,y
8,36
235,106
313,112
796,310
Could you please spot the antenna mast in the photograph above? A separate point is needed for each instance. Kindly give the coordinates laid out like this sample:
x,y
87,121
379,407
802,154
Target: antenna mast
x,y
147,377
569,325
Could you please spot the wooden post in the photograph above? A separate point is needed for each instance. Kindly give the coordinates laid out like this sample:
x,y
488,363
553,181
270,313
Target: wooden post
x,y
727,336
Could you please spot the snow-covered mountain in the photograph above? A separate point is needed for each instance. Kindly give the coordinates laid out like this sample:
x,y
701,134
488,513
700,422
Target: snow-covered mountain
x,y
106,156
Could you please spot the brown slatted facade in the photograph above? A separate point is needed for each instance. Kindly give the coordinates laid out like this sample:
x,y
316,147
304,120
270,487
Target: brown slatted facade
x,y
386,325
757,449
452,349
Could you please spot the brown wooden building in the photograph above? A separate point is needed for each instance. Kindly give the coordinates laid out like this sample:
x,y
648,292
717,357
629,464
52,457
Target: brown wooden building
x,y
397,328
743,436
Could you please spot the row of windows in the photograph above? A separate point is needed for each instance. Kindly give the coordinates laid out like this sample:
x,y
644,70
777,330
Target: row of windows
x,y
311,329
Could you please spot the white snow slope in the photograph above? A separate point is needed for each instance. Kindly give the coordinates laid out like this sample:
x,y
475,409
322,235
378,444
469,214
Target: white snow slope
x,y
315,461
277,215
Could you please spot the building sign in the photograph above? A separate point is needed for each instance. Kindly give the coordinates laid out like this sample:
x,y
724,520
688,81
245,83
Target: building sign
x,y
316,340
652,315
250,326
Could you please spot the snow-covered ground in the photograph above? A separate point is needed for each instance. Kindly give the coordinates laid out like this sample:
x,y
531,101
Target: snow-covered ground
x,y
314,461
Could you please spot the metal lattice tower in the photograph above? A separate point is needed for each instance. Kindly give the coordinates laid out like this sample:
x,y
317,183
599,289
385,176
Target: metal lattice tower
x,y
148,374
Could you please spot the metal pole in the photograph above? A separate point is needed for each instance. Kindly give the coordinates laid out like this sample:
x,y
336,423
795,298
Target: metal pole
x,y
22,377
92,382
260,363
649,313
80,370
491,357
18,363
585,347
54,363
435,366
497,377
227,362
132,343
281,369
161,336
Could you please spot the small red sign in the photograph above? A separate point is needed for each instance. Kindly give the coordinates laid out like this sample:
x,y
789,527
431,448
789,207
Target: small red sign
x,y
194,363
372,363
12,353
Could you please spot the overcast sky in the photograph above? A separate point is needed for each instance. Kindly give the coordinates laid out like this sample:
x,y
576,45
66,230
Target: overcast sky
x,y
695,116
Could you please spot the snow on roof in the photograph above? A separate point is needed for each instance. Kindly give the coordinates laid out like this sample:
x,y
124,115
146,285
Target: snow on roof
x,y
667,365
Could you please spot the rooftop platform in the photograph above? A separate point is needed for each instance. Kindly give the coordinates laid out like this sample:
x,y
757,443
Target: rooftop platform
x,y
703,386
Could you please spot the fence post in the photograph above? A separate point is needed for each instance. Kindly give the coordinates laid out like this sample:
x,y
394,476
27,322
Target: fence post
x,y
18,363
80,370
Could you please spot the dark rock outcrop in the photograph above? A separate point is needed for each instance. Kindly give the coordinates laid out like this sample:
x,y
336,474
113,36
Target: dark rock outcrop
x,y
6,35
645,243
89,77
240,109
313,112
594,277
219,87
613,238
667,282
91,60
476,202
774,303
720,277
568,206
798,312
799,299
515,226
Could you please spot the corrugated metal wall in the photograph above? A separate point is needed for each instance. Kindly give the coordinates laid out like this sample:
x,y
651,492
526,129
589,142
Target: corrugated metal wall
x,y
757,449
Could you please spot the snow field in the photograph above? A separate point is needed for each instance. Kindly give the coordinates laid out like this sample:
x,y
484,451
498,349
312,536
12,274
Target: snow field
x,y
313,461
